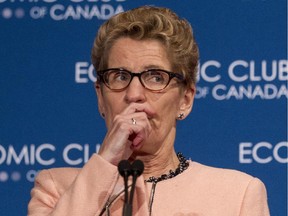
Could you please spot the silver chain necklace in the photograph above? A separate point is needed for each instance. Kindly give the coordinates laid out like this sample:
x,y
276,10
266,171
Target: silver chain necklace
x,y
183,165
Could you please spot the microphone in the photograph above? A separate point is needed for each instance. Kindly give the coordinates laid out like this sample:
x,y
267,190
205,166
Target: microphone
x,y
124,168
137,169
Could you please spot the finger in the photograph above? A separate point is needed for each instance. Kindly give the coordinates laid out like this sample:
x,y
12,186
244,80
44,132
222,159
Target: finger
x,y
136,107
141,129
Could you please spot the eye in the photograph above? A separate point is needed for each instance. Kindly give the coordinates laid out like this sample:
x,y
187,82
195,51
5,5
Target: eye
x,y
119,76
155,77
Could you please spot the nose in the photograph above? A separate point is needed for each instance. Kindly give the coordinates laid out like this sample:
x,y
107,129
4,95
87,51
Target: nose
x,y
135,92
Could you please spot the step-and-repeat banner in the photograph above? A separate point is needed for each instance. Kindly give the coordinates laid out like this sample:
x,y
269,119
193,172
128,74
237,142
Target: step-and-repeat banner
x,y
48,107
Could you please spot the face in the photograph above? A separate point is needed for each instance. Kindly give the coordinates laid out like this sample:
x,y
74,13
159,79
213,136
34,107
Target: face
x,y
161,108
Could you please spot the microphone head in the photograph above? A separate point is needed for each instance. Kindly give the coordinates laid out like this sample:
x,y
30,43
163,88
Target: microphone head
x,y
124,168
138,167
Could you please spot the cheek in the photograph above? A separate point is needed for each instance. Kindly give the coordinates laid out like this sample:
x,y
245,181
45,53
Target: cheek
x,y
112,108
167,110
113,104
171,103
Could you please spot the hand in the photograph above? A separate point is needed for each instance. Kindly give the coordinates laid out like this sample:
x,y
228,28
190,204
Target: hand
x,y
123,137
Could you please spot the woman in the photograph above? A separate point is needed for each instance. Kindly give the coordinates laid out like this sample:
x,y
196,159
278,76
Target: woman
x,y
146,61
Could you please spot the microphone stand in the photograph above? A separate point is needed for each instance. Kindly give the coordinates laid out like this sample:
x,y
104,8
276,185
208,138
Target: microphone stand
x,y
137,170
125,169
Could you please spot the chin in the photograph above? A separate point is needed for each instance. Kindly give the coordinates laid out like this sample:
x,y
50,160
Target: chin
x,y
143,151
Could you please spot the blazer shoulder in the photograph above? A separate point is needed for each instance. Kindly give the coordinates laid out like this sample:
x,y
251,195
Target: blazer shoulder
x,y
229,184
218,172
222,177
61,178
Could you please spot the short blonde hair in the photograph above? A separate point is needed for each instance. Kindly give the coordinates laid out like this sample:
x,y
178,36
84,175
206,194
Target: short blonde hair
x,y
149,22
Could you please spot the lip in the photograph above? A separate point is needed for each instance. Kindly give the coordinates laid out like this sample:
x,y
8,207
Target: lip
x,y
148,109
135,146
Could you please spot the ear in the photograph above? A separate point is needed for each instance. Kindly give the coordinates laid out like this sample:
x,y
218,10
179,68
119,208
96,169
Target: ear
x,y
99,93
186,102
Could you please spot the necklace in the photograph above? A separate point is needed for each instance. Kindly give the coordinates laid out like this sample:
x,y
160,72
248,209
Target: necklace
x,y
183,165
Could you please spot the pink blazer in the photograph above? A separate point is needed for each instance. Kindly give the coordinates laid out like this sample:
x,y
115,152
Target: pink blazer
x,y
198,191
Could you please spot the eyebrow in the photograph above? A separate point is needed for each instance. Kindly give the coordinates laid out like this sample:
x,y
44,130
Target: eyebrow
x,y
152,66
146,67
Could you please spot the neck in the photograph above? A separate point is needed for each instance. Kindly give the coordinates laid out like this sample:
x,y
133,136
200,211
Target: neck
x,y
158,164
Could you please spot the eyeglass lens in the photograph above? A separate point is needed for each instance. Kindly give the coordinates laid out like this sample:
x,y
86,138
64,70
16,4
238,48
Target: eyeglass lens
x,y
150,79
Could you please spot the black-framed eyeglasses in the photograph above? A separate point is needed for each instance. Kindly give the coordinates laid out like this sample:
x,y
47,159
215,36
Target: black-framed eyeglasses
x,y
118,79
